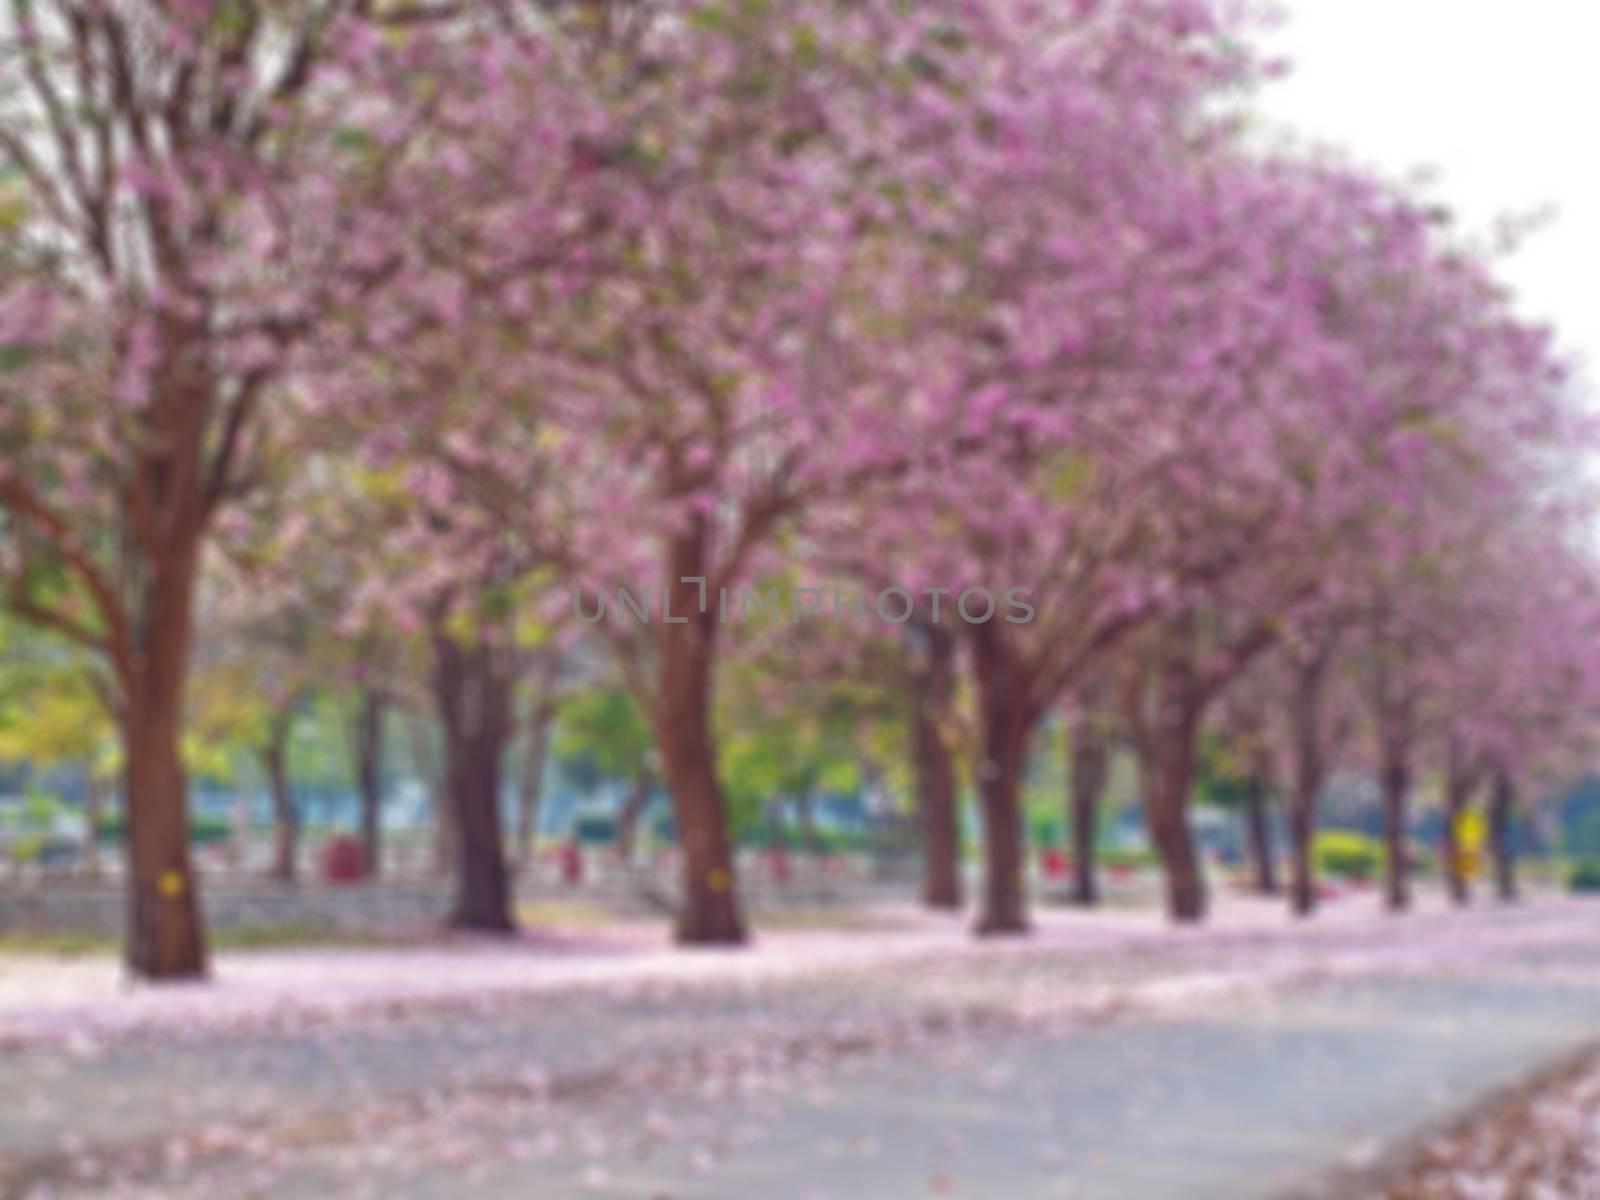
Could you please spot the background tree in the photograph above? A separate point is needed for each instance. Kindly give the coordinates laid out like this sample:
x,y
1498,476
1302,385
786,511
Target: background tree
x,y
53,717
602,732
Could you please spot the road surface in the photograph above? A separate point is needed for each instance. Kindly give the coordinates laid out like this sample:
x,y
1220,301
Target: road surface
x,y
1107,1056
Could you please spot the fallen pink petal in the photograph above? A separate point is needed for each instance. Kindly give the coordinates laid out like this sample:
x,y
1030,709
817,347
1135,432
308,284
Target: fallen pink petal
x,y
826,599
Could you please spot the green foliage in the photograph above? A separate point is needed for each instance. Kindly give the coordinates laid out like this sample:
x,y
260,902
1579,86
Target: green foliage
x,y
41,808
1127,859
228,715
319,750
821,840
1582,835
204,828
1342,854
1584,876
1221,779
51,715
602,732
594,829
781,741
1046,829
36,839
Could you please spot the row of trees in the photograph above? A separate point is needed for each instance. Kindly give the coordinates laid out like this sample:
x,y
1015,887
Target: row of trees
x,y
389,324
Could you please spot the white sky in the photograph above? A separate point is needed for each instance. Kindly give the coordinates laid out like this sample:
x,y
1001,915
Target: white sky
x,y
1500,100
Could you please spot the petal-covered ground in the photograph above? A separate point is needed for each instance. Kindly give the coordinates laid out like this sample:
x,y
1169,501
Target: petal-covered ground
x,y
1106,1055
1541,1143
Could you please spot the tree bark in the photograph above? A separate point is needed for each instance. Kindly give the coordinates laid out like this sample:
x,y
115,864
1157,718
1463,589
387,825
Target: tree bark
x,y
1458,791
1167,743
1169,783
285,817
1258,836
633,808
710,911
1305,713
805,821
935,773
777,824
1007,718
165,937
1396,784
1502,811
1394,712
1302,862
425,760
1088,768
473,695
372,708
530,786
92,813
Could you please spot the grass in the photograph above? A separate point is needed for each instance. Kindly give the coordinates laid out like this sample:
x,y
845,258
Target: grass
x,y
565,914
81,943
820,918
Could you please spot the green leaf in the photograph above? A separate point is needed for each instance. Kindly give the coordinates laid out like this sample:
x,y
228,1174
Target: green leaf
x,y
13,356
806,45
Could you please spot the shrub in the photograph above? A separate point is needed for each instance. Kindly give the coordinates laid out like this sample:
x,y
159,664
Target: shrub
x,y
1584,876
1341,854
205,829
1125,859
39,808
594,829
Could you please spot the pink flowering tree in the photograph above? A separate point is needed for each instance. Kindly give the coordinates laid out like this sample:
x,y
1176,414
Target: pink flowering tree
x,y
705,252
1092,242
1484,461
1519,668
1148,484
168,240
1367,434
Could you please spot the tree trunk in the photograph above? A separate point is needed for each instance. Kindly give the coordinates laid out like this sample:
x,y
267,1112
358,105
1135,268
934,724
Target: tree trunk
x,y
805,821
633,808
370,714
1396,783
1088,769
1007,721
777,824
473,695
1258,836
446,842
92,816
1302,863
1167,753
166,939
1502,808
1169,781
425,760
285,815
1455,882
1306,719
1458,790
530,786
1394,712
682,718
935,773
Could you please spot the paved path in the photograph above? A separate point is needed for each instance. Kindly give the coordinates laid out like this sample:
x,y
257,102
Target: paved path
x,y
1108,1057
